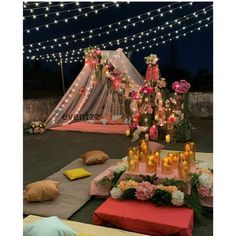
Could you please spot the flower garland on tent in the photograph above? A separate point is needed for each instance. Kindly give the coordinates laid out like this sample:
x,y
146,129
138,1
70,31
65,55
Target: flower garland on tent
x,y
117,82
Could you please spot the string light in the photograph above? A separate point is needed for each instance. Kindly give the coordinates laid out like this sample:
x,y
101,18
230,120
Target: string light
x,y
110,25
140,45
136,35
41,56
86,14
67,11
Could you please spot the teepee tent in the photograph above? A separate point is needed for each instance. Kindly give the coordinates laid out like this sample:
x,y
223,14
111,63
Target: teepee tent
x,y
88,96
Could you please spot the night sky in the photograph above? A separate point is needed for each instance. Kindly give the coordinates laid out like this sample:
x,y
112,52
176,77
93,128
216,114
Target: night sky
x,y
191,53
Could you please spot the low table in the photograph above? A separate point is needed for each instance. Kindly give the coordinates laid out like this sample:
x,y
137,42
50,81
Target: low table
x,y
145,217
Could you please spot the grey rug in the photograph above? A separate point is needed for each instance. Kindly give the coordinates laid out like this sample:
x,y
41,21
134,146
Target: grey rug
x,y
73,194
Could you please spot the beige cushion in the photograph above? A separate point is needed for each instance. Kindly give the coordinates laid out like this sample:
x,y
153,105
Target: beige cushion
x,y
94,157
41,191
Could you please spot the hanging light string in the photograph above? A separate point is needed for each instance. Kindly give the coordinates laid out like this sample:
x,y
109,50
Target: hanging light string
x,y
98,28
76,59
176,33
57,13
163,39
161,27
50,5
173,32
79,59
111,26
108,44
29,30
142,34
75,17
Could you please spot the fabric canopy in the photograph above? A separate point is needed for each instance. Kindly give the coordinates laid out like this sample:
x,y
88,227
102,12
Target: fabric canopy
x,y
89,97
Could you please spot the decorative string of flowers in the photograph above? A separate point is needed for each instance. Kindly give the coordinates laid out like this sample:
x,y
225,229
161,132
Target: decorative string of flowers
x,y
117,82
146,191
114,175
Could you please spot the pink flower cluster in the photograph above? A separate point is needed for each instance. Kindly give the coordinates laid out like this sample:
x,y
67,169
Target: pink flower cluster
x,y
204,191
146,89
181,86
117,81
153,132
145,191
135,95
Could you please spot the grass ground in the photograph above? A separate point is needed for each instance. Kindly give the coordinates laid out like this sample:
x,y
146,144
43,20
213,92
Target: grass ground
x,y
47,153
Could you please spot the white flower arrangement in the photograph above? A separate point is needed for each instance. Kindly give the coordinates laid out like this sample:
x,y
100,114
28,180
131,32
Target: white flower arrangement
x,y
120,168
161,83
152,59
177,198
205,180
202,165
116,193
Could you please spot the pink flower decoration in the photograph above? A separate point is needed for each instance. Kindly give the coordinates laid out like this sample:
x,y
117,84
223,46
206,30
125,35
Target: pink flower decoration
x,y
98,52
181,87
145,191
171,119
150,110
116,83
146,89
116,72
153,132
135,95
203,191
110,175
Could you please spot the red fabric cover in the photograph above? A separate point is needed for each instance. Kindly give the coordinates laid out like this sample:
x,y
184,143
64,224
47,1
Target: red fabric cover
x,y
145,217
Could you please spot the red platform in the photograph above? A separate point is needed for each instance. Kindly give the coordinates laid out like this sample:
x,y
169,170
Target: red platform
x,y
145,217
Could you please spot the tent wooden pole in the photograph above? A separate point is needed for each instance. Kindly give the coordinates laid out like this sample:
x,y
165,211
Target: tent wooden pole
x,y
62,77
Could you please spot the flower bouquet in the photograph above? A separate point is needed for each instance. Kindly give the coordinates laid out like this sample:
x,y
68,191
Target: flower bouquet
x,y
36,127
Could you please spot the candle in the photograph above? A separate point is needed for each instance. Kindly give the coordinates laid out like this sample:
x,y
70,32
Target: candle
x,y
147,137
168,138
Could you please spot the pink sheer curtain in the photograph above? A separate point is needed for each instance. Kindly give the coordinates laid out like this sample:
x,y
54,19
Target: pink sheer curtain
x,y
96,99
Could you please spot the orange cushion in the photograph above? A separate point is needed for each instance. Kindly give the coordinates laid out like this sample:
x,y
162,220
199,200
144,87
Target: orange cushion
x,y
94,157
41,191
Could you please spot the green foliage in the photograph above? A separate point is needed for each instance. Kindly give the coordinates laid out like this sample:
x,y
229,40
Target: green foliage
x,y
129,194
99,72
116,179
180,184
149,178
132,178
162,197
193,201
183,130
127,107
186,106
104,181
194,180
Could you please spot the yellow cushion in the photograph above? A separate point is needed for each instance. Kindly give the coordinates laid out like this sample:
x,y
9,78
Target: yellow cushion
x,y
76,173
